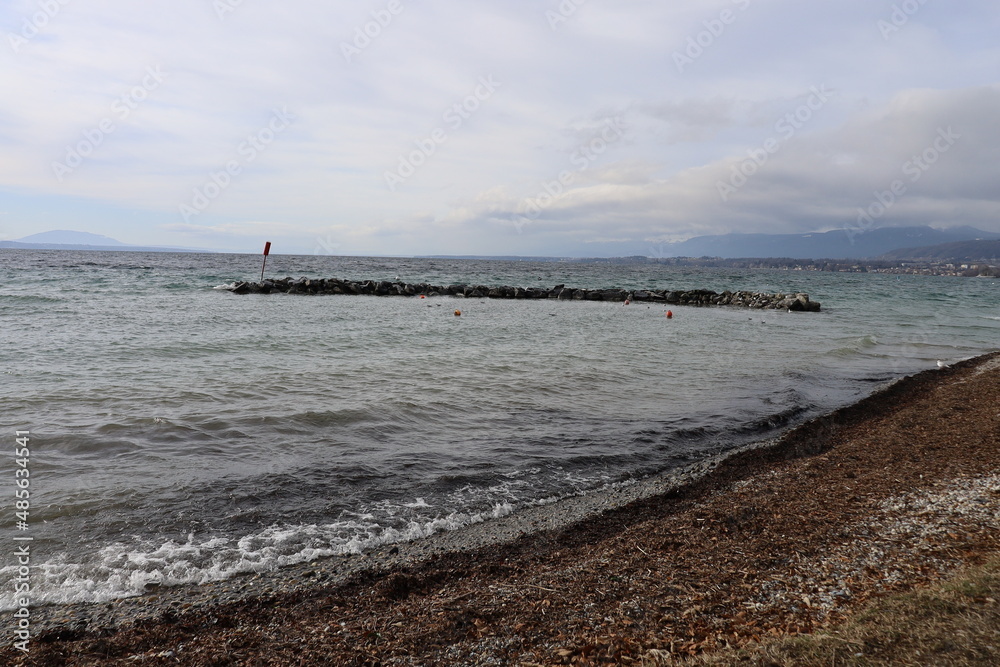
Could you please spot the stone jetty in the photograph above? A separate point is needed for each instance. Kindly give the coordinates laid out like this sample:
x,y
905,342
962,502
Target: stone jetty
x,y
794,302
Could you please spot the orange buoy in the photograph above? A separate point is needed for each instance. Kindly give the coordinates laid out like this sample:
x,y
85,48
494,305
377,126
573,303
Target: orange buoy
x,y
458,313
670,314
422,296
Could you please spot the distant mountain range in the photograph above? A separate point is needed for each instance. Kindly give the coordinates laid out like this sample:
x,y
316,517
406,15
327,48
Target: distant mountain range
x,y
960,252
836,244
70,240
954,244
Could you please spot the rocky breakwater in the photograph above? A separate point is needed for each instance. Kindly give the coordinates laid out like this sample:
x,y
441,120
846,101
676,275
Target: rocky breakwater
x,y
793,302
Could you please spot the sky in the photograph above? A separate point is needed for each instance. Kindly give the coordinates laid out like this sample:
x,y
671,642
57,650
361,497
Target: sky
x,y
534,128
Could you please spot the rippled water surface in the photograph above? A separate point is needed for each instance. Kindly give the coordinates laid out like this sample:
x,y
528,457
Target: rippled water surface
x,y
182,433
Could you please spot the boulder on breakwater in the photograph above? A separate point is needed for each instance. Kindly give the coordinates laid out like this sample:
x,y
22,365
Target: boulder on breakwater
x,y
795,302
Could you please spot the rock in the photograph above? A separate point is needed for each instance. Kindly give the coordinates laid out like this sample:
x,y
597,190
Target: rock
x,y
304,285
790,303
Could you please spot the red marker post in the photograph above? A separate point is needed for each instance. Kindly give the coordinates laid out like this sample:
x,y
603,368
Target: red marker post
x,y
267,250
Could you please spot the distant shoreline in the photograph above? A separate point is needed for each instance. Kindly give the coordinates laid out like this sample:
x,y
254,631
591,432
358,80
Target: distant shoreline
x,y
900,267
14,245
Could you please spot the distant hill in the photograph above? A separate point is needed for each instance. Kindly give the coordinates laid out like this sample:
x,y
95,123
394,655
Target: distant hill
x,y
66,237
70,240
839,244
959,252
503,258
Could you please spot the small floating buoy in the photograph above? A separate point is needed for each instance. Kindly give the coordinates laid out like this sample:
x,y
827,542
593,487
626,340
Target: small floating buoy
x,y
458,313
670,314
422,296
627,302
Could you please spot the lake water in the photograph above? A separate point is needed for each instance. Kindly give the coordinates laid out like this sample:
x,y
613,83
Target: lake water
x,y
181,433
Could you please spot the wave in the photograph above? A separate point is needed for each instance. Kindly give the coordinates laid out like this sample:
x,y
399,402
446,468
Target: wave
x,y
854,346
126,570
21,299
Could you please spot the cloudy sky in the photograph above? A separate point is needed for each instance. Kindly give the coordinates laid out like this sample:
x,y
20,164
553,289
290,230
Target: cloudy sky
x,y
522,127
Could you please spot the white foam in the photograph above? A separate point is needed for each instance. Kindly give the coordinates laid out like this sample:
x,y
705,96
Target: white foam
x,y
124,570
988,367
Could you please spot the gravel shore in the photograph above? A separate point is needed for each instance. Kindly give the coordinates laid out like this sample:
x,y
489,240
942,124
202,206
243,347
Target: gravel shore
x,y
780,538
